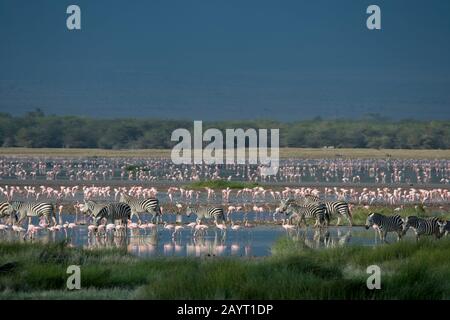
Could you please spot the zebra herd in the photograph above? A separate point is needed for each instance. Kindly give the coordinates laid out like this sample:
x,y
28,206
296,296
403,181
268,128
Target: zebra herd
x,y
311,207
124,210
421,226
296,211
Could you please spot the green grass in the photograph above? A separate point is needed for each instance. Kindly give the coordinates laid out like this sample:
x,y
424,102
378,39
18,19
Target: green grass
x,y
222,184
300,153
409,271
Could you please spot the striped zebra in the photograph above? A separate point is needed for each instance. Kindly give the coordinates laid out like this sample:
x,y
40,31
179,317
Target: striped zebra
x,y
30,210
150,205
444,227
206,213
4,209
112,212
315,211
4,213
384,224
428,226
91,207
338,208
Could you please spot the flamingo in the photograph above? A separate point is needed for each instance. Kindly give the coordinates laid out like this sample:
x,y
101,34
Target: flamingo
x,y
191,225
60,208
101,229
200,228
235,227
72,225
287,226
18,229
222,227
31,231
177,229
151,225
43,223
168,226
110,227
92,228
3,227
248,225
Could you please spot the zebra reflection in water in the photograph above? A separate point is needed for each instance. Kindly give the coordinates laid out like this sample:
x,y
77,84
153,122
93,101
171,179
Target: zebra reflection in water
x,y
322,238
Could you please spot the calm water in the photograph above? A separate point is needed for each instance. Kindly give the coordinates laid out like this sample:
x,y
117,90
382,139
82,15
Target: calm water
x,y
248,242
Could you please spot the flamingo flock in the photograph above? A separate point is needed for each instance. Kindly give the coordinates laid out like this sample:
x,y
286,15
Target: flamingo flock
x,y
235,199
378,171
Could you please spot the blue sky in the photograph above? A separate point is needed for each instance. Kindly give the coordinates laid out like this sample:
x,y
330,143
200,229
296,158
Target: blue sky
x,y
209,59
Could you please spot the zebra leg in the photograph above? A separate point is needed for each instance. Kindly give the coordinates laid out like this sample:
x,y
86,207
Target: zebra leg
x,y
303,219
25,235
19,222
384,236
339,221
327,220
155,218
138,217
349,218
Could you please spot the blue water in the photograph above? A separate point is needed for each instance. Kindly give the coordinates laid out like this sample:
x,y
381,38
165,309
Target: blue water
x,y
255,241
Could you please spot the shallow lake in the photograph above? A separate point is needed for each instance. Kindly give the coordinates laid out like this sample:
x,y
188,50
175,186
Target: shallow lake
x,y
253,241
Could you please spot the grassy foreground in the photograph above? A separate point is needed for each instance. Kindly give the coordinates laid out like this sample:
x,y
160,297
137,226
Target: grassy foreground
x,y
300,153
409,271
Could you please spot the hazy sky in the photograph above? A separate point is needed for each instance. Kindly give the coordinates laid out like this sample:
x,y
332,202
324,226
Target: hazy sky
x,y
229,59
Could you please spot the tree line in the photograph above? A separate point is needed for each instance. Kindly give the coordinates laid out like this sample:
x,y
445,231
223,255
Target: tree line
x,y
37,130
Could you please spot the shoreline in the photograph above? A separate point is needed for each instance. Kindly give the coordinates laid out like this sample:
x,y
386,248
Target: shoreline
x,y
285,153
169,183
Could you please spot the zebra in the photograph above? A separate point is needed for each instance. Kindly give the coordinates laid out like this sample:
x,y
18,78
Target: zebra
x,y
112,212
92,207
339,208
30,210
4,210
305,211
444,227
422,226
206,213
150,205
384,224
